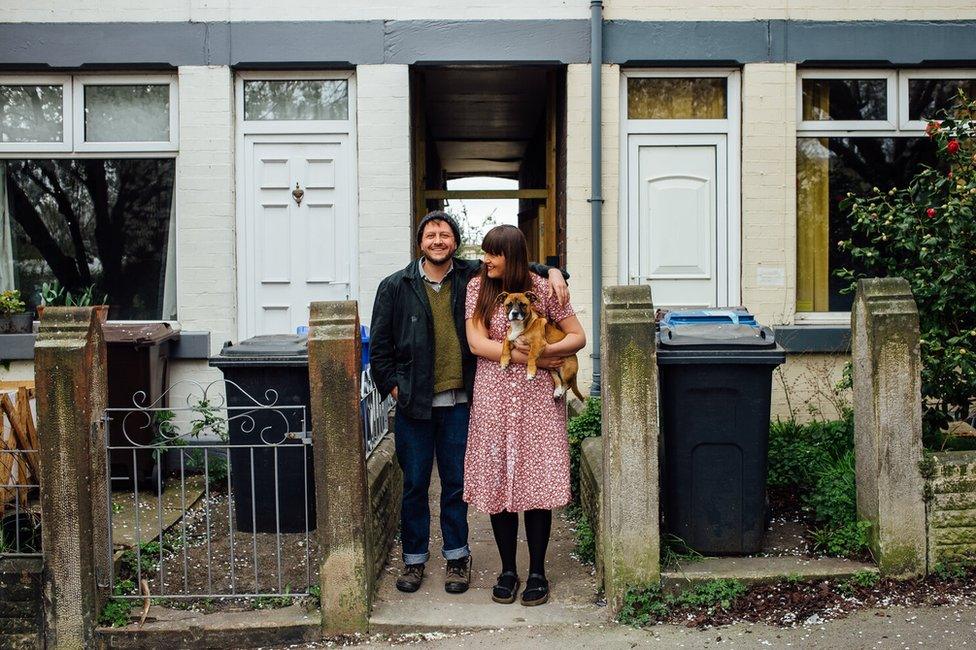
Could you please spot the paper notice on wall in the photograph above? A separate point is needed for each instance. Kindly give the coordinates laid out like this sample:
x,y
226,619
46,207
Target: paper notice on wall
x,y
771,276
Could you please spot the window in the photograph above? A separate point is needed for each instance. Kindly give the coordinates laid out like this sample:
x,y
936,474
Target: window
x,y
856,130
676,98
103,222
296,99
33,113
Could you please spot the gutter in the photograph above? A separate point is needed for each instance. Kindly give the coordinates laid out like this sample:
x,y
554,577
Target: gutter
x,y
596,181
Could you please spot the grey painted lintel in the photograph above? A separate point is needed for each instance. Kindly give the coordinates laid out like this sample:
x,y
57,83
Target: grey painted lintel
x,y
189,345
330,44
826,339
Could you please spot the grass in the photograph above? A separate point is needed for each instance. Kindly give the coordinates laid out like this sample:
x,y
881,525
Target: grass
x,y
646,605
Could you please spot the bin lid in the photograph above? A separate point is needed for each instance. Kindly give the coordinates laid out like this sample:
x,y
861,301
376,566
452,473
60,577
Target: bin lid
x,y
267,346
714,329
139,334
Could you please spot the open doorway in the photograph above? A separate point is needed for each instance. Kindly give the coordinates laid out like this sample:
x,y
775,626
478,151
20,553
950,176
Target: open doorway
x,y
489,146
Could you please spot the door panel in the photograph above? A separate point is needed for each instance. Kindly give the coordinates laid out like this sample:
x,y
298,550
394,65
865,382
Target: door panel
x,y
678,222
297,252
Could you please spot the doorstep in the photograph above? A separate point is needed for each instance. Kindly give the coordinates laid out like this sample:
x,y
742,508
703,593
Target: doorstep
x,y
757,569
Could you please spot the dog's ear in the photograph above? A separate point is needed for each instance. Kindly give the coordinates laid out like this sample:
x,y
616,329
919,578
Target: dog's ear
x,y
502,296
532,296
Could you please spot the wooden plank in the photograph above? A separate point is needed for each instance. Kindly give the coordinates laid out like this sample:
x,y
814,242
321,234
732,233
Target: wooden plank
x,y
549,219
21,439
485,194
19,383
24,397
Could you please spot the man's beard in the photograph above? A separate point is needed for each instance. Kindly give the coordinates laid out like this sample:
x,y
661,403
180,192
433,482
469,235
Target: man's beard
x,y
438,258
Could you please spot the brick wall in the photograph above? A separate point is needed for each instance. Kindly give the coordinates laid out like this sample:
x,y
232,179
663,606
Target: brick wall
x,y
952,508
20,604
769,191
591,492
383,127
205,190
578,230
385,484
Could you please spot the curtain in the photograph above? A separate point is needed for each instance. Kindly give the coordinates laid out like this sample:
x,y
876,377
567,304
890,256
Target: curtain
x,y
813,211
169,267
6,244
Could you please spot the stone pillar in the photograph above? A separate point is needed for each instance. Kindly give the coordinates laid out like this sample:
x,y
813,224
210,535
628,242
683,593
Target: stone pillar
x,y
339,454
888,423
630,516
69,368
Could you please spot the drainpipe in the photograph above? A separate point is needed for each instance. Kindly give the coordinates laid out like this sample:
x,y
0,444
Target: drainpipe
x,y
596,180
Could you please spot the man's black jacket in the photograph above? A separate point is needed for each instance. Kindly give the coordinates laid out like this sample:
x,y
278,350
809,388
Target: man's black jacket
x,y
401,345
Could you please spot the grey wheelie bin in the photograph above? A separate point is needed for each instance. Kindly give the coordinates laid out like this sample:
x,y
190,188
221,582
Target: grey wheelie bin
x,y
715,371
271,473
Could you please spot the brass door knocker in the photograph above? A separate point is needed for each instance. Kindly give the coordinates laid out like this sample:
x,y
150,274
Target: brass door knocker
x,y
298,193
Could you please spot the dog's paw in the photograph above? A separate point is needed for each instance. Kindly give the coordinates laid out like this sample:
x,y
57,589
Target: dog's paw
x,y
504,363
530,376
559,392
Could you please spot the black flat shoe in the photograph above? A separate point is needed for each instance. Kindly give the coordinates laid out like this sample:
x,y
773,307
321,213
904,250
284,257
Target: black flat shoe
x,y
506,588
536,590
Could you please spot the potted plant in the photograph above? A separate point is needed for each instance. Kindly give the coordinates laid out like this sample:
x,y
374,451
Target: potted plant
x,y
53,294
14,317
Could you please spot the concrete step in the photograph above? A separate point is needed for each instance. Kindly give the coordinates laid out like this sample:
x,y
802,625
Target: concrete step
x,y
751,570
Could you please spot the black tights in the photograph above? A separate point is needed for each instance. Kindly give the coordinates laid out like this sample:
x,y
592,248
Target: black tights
x,y
538,524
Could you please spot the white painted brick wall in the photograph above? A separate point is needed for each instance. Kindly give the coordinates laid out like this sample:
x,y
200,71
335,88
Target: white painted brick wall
x,y
244,10
205,208
769,191
383,126
578,219
804,387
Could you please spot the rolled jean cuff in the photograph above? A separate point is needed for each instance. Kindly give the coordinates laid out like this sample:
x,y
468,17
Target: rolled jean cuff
x,y
416,558
457,553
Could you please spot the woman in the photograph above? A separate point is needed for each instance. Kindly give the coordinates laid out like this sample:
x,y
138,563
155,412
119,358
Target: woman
x,y
517,458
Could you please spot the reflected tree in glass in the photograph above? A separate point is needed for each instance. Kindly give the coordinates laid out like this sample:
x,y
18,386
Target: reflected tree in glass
x,y
297,99
90,221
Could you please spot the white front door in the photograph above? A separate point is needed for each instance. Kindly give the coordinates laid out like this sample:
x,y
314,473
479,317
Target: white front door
x,y
678,218
297,249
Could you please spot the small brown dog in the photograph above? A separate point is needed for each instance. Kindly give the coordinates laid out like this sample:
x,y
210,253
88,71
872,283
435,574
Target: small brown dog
x,y
538,331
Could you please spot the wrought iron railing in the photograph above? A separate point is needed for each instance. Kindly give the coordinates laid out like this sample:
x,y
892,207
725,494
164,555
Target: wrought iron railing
x,y
375,412
213,498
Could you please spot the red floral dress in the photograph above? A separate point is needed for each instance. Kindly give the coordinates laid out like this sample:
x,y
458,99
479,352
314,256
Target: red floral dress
x,y
518,454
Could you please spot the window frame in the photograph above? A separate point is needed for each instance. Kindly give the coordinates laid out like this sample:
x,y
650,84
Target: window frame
x,y
69,148
900,127
908,75
891,89
67,142
78,116
248,127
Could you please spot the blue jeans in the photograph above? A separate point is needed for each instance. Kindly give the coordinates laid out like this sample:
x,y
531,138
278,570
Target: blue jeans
x,y
444,435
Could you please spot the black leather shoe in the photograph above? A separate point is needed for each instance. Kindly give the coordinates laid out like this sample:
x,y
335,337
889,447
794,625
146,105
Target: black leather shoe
x,y
458,575
411,578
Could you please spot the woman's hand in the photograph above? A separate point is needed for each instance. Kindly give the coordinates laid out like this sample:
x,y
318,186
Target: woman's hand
x,y
548,363
522,345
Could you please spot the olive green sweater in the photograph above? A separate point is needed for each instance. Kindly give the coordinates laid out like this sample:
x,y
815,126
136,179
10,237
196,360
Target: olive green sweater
x,y
447,347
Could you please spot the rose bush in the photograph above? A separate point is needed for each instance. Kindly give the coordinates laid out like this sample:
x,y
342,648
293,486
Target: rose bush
x,y
926,233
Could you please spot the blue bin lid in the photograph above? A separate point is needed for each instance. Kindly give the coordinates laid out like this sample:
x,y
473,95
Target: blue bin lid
x,y
716,329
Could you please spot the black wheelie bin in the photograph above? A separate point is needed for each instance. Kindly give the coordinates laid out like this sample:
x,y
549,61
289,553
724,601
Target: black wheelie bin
x,y
715,369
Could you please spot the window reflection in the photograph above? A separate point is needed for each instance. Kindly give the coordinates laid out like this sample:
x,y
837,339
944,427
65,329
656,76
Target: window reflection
x,y
926,97
31,113
674,98
845,99
296,99
87,222
827,169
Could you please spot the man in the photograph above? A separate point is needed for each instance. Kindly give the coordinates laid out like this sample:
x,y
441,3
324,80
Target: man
x,y
419,354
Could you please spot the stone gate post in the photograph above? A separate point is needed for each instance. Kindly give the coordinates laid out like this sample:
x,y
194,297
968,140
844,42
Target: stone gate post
x,y
888,423
630,514
70,375
339,455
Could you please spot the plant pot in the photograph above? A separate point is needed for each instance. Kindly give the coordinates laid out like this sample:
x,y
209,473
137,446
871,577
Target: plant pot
x,y
100,310
16,323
